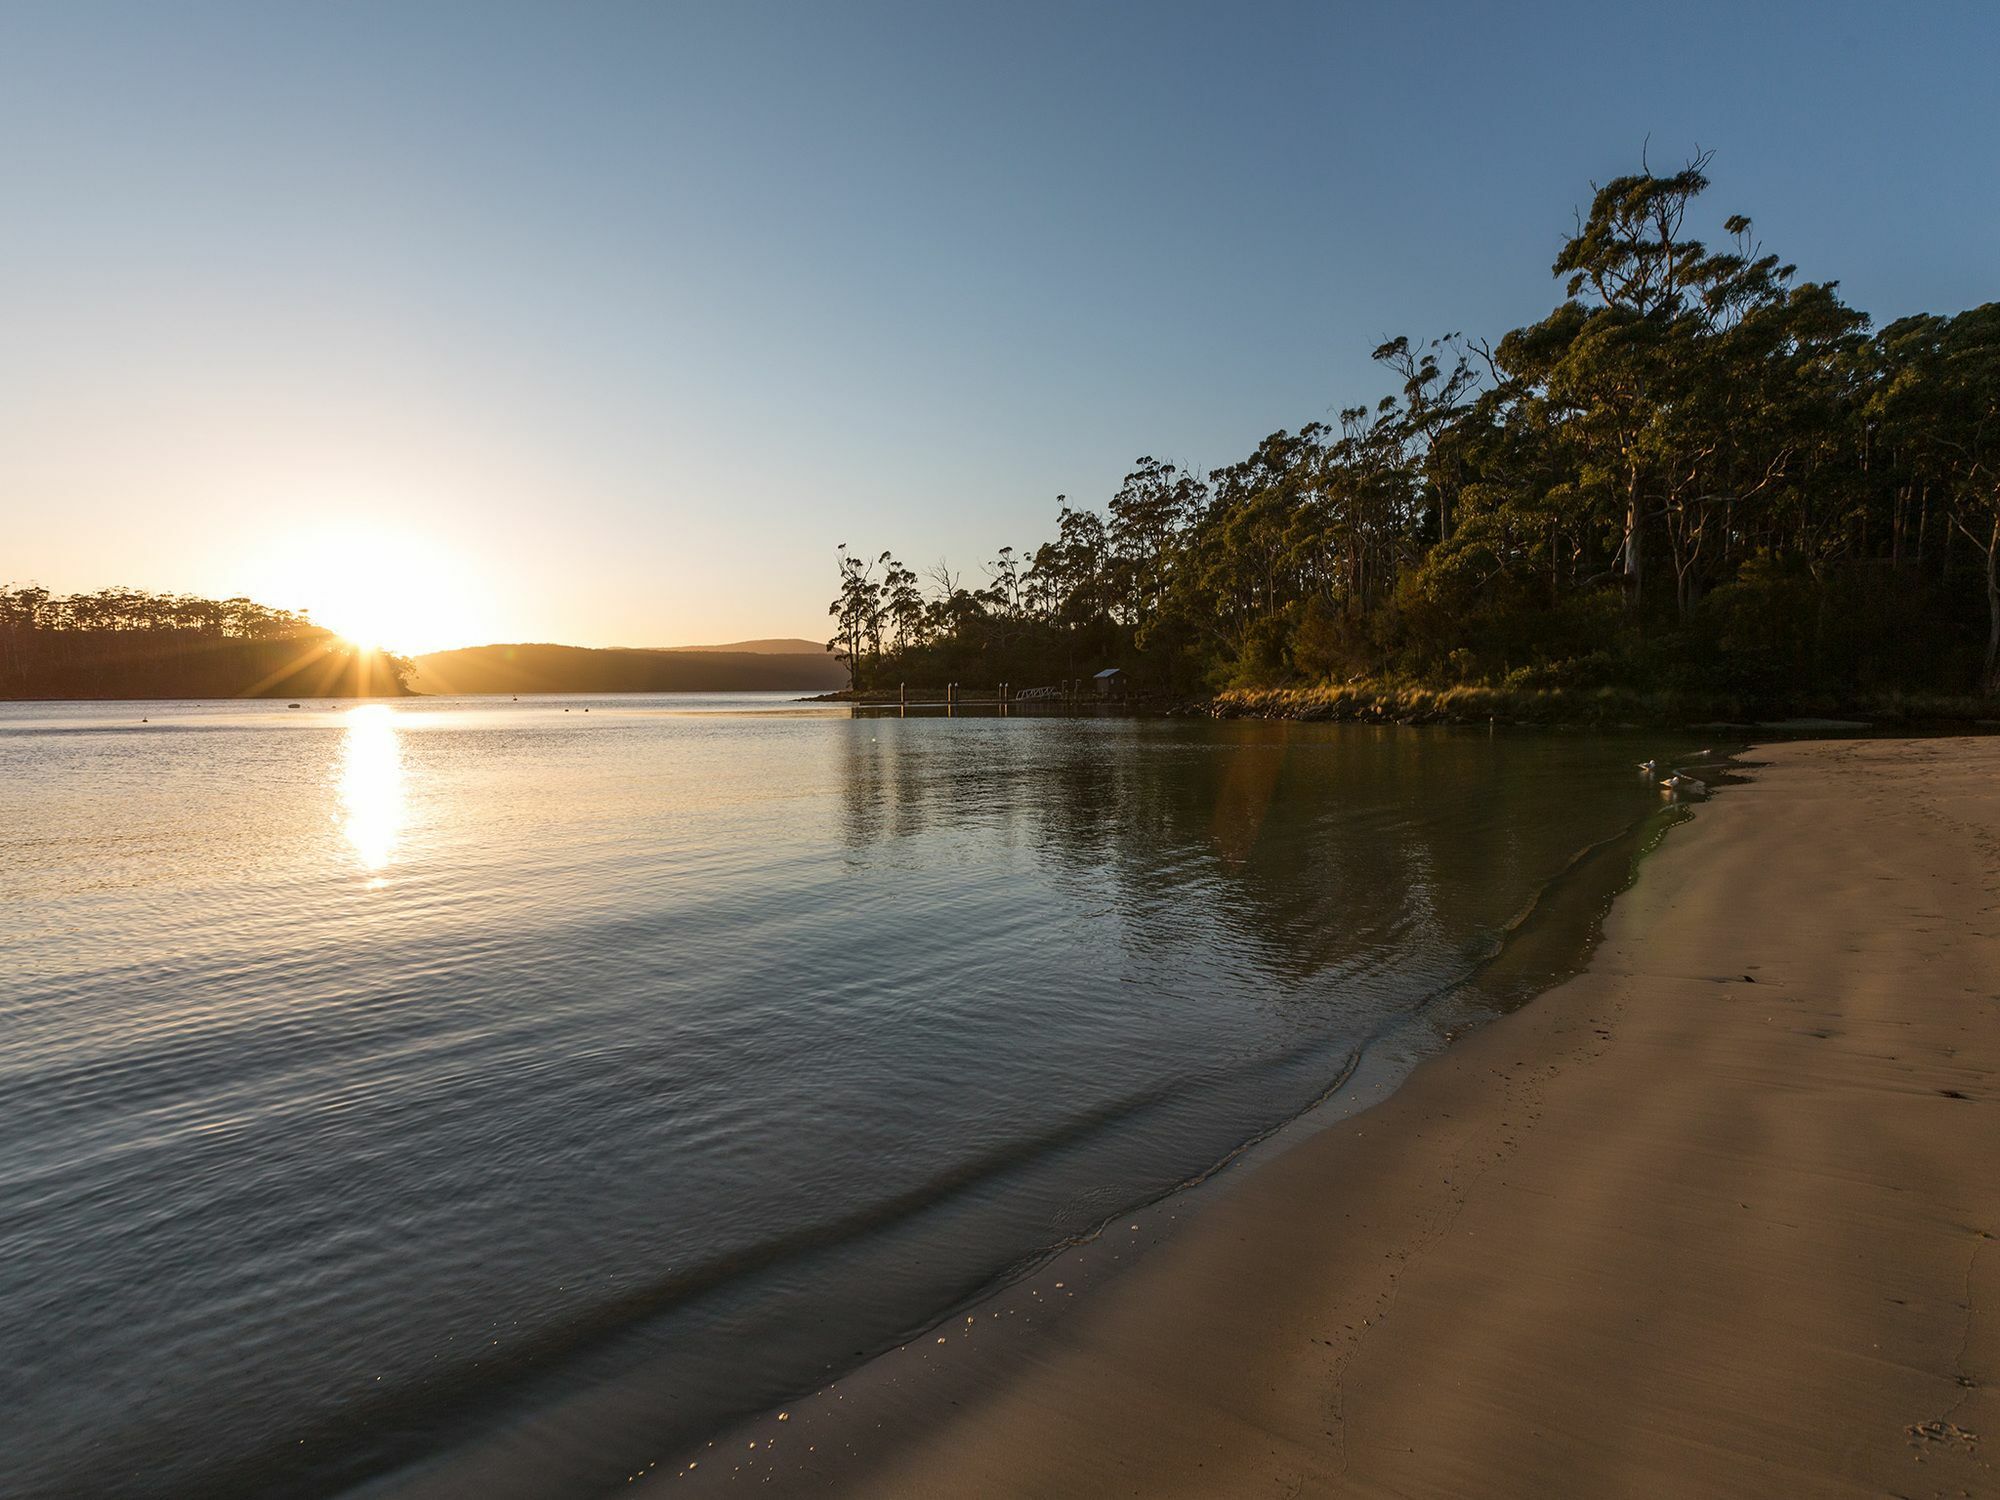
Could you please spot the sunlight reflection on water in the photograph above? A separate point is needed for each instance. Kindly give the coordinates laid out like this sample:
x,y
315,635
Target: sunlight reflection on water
x,y
371,787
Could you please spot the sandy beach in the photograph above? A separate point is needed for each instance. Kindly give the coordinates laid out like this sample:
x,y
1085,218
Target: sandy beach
x,y
1714,1218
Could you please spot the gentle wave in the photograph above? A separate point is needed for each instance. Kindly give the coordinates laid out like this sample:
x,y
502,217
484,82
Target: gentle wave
x,y
373,1079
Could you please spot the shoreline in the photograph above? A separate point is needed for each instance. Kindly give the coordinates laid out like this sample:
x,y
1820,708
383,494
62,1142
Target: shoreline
x,y
1546,940
1373,701
1369,701
1680,1220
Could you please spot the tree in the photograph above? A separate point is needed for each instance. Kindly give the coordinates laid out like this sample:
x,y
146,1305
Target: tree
x,y
1148,515
857,612
1941,397
1433,398
124,642
905,605
1823,503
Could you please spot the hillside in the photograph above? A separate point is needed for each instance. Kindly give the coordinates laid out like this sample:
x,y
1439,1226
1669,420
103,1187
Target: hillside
x,y
783,646
529,668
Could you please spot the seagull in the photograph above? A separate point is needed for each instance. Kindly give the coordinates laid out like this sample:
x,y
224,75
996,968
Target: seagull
x,y
1650,768
1684,786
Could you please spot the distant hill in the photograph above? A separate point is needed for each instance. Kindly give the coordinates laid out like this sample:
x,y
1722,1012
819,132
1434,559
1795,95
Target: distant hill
x,y
786,646
532,668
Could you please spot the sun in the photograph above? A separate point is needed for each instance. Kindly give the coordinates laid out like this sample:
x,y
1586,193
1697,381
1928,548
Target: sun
x,y
381,588
379,611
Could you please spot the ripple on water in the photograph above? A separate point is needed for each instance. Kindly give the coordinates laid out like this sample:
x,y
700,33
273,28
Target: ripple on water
x,y
372,1075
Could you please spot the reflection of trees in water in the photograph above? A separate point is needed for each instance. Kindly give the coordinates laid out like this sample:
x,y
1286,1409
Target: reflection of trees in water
x,y
1309,851
901,779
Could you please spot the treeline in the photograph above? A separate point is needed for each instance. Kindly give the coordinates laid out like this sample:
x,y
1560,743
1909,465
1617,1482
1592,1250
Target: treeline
x,y
1697,473
125,643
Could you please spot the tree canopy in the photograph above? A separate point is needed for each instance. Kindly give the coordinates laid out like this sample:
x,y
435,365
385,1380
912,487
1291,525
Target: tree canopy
x,y
1697,471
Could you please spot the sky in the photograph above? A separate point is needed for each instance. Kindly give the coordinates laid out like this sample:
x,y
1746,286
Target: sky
x,y
606,323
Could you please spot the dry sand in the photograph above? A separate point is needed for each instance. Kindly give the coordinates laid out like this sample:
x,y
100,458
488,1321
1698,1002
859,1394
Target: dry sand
x,y
1715,1218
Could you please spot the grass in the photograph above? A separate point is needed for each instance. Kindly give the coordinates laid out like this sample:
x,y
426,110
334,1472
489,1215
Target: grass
x,y
1383,701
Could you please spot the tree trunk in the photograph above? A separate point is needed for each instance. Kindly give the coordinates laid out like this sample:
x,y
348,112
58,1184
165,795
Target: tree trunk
x,y
1684,590
1632,542
1993,605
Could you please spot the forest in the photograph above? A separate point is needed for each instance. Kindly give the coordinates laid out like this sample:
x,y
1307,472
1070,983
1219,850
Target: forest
x,y
1698,476
126,643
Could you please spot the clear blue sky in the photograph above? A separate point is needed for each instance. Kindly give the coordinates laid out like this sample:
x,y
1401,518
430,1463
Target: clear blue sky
x,y
624,314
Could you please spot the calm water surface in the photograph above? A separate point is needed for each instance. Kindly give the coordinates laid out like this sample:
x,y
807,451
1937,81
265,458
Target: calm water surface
x,y
377,1079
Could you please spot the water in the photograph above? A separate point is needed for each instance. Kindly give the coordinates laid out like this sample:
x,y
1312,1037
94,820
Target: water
x,y
381,1082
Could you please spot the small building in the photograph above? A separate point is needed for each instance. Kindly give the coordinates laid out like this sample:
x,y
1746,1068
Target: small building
x,y
1110,683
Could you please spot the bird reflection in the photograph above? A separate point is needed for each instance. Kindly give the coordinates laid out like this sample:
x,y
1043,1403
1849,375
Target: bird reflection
x,y
371,787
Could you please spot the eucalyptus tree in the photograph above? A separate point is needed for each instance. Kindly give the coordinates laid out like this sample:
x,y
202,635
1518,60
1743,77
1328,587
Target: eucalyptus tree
x,y
1941,397
1687,411
858,615
903,603
1149,515
1609,359
1434,396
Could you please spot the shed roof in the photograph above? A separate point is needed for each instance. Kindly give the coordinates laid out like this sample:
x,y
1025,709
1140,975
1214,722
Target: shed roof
x,y
1111,672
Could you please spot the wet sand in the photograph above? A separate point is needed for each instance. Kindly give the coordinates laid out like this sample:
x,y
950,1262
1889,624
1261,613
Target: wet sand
x,y
1715,1218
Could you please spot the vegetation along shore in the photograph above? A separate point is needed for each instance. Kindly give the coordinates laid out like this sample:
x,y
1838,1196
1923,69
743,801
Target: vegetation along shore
x,y
129,643
1699,479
